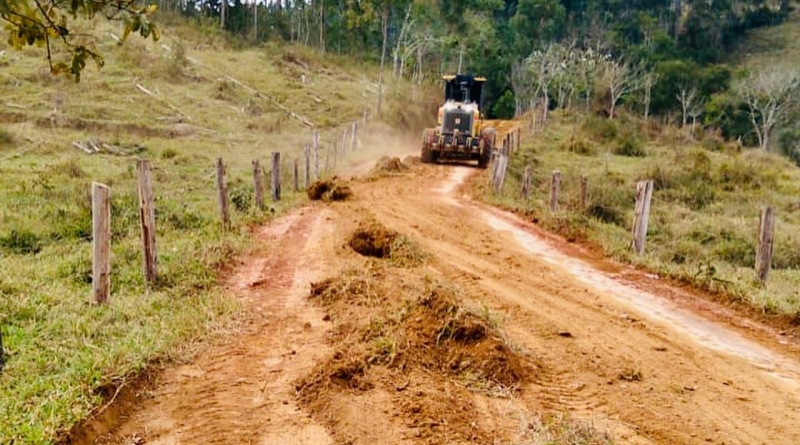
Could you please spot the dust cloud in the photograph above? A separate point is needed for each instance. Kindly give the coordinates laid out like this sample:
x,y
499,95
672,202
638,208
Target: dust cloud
x,y
380,140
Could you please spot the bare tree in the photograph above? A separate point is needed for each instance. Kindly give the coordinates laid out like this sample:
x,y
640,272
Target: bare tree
x,y
687,96
770,94
618,78
587,66
647,80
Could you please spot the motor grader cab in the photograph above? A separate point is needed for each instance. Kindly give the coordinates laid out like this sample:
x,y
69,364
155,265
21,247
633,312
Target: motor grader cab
x,y
460,133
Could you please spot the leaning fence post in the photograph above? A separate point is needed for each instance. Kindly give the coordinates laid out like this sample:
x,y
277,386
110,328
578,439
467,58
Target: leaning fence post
x,y
526,182
766,238
147,220
257,185
222,195
644,194
276,176
584,184
101,242
307,152
2,352
296,176
555,182
316,154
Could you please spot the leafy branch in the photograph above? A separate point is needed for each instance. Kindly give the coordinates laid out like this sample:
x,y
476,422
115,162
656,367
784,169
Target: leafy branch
x,y
40,22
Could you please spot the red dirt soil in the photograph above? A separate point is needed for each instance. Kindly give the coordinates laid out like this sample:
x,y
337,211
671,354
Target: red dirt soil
x,y
649,363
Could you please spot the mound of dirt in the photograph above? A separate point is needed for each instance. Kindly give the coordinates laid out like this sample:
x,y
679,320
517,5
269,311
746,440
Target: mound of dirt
x,y
412,160
331,189
388,164
373,240
424,356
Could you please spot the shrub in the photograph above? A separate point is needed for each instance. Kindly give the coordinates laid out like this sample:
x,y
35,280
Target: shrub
x,y
242,198
21,242
6,138
600,128
698,195
579,146
630,144
169,153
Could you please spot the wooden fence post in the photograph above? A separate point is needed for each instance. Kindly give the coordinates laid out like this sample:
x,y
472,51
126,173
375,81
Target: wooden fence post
x,y
519,137
526,182
644,194
766,238
584,184
222,195
353,135
500,171
327,157
296,176
555,183
276,176
2,352
316,154
257,185
307,152
147,220
101,242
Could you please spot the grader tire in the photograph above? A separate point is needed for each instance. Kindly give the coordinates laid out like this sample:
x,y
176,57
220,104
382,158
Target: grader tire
x,y
428,155
488,136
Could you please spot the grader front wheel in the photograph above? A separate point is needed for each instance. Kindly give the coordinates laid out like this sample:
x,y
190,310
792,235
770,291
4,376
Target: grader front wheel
x,y
428,155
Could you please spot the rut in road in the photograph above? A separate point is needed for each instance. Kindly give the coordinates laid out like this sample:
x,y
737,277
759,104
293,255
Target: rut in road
x,y
587,347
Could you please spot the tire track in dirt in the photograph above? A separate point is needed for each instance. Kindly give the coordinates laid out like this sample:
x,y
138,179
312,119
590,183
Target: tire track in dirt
x,y
652,380
241,391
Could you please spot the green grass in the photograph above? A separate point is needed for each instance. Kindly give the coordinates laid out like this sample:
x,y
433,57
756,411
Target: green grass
x,y
61,348
705,209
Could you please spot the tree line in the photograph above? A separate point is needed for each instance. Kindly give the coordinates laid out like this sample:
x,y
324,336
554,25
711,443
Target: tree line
x,y
662,58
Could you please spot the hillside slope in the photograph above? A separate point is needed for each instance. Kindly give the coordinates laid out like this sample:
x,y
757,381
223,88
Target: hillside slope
x,y
181,102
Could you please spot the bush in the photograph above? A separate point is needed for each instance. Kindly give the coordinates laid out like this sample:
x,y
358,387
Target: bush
x,y
579,146
600,128
698,195
21,242
630,144
169,153
6,138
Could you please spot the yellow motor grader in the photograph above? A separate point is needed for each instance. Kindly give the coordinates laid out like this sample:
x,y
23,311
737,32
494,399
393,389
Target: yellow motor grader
x,y
460,133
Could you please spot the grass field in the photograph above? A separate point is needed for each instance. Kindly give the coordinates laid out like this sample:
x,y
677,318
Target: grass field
x,y
61,348
705,210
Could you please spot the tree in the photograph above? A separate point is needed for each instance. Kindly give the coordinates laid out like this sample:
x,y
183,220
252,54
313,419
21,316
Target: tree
x,y
618,79
35,22
688,98
647,80
770,94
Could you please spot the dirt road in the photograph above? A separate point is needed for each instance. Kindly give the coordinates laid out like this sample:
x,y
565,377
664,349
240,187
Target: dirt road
x,y
636,363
